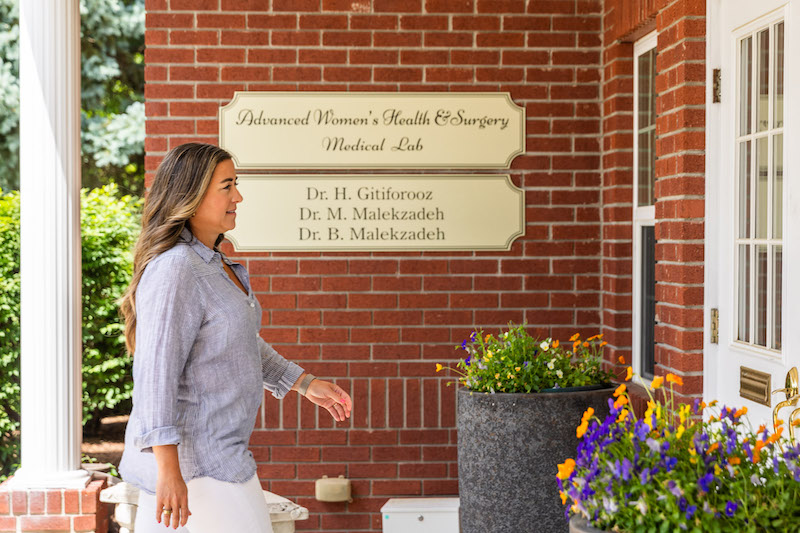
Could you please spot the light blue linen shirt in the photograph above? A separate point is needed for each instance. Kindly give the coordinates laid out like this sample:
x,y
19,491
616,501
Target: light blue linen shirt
x,y
199,369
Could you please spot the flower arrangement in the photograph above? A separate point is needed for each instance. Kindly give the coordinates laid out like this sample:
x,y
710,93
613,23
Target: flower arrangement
x,y
513,361
673,470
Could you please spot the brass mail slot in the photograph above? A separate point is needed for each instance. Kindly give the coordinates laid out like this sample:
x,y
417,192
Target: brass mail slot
x,y
755,385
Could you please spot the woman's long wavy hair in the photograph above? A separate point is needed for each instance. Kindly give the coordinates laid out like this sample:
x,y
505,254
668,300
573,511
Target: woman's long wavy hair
x,y
181,181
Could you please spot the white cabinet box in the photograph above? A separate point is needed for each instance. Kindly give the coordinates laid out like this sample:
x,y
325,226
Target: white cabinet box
x,y
420,515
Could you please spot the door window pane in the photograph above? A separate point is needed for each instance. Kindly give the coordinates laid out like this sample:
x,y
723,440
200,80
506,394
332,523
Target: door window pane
x,y
743,331
761,295
762,106
777,276
778,108
745,85
762,180
745,201
777,186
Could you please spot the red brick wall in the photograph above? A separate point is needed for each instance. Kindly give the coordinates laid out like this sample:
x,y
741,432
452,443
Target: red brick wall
x,y
680,182
378,322
680,190
56,510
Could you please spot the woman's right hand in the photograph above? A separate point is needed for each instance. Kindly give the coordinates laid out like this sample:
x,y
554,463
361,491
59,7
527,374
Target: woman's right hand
x,y
171,491
172,494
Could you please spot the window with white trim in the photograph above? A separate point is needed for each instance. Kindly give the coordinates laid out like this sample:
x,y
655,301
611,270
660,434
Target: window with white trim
x,y
759,187
644,243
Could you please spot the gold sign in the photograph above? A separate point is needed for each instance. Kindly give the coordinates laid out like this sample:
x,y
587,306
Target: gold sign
x,y
386,212
296,130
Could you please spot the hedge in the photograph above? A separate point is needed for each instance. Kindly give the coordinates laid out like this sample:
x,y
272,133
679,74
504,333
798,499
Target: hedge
x,y
109,228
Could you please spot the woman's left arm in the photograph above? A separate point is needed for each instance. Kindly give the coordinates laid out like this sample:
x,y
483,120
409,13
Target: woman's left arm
x,y
280,376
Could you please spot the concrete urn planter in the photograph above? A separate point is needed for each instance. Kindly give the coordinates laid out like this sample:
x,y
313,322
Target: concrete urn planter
x,y
578,524
509,446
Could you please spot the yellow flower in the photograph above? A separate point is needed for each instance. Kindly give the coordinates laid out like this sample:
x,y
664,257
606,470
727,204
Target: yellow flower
x,y
712,448
574,337
503,358
629,375
510,375
734,460
497,376
621,360
796,422
680,431
585,344
581,431
489,355
575,344
657,382
563,497
603,344
712,404
740,412
488,336
672,378
622,400
620,390
622,416
555,343
439,367
717,469
587,414
565,469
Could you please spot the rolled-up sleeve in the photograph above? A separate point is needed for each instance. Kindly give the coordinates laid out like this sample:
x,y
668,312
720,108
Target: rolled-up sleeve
x,y
278,373
169,312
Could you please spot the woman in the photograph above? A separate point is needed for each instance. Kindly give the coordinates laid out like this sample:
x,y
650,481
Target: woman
x,y
200,365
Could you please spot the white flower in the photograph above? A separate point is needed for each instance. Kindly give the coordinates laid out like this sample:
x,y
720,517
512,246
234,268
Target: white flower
x,y
642,506
544,346
560,374
551,365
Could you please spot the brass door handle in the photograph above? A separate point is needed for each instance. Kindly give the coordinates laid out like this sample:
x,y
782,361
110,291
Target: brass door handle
x,y
792,397
786,403
792,417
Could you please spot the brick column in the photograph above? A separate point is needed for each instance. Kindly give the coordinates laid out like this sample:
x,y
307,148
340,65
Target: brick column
x,y
680,191
56,510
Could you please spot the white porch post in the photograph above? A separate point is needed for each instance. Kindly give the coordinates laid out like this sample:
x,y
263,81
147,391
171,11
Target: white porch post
x,y
50,245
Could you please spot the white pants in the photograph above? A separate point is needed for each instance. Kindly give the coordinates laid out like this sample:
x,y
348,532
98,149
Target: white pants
x,y
216,506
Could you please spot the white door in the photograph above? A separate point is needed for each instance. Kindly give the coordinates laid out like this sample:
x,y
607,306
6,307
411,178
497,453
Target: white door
x,y
752,198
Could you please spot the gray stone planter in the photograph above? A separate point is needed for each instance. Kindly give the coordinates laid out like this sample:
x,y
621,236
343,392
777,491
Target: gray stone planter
x,y
578,524
509,446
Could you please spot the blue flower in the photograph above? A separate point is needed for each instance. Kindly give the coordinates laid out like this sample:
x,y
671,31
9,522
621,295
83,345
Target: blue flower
x,y
705,482
626,469
468,359
644,476
730,509
690,511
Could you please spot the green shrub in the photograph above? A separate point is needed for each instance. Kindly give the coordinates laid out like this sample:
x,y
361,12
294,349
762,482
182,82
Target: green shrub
x,y
109,228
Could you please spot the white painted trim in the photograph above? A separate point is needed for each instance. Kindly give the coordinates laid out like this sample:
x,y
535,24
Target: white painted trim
x,y
642,216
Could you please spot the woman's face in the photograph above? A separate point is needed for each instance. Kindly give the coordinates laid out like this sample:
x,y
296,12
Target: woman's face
x,y
217,211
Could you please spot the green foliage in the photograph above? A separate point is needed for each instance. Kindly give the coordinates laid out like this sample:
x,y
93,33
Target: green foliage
x,y
112,93
109,228
514,361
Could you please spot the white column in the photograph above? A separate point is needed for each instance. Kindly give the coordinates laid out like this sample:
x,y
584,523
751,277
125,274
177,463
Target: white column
x,y
50,245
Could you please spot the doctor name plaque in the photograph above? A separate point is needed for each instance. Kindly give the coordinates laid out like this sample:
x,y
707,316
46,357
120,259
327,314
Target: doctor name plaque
x,y
386,212
367,130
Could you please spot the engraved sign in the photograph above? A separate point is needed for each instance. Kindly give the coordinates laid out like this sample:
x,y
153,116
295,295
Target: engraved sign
x,y
386,212
296,130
